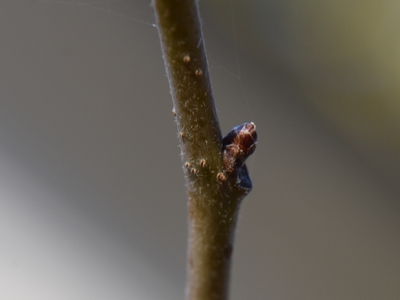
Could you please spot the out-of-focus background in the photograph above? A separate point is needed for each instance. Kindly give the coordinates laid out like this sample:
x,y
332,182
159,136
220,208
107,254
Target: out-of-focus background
x,y
92,197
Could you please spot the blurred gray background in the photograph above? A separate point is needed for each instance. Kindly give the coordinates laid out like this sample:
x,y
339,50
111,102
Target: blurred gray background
x,y
92,197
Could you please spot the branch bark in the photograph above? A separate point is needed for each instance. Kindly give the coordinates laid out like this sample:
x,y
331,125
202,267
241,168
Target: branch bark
x,y
215,172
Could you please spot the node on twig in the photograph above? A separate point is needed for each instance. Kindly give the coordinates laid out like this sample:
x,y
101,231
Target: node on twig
x,y
238,145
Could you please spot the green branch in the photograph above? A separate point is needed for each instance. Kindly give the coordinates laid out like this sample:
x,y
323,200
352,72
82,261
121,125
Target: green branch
x,y
214,168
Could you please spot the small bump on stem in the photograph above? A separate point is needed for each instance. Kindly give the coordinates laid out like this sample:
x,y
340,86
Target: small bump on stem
x,y
198,73
203,163
221,178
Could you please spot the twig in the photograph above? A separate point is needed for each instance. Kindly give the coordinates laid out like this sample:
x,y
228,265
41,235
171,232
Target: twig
x,y
216,176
